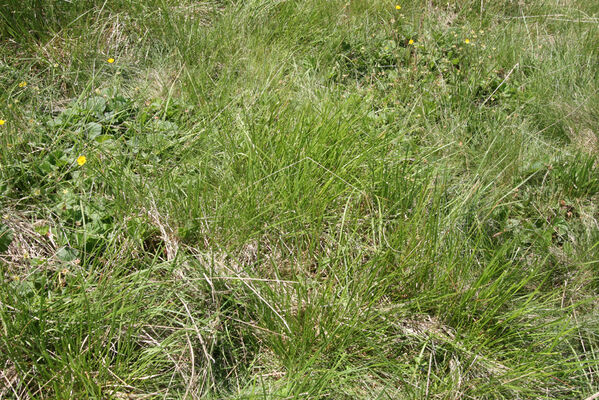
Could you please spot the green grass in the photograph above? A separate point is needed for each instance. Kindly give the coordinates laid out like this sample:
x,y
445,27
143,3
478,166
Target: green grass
x,y
287,199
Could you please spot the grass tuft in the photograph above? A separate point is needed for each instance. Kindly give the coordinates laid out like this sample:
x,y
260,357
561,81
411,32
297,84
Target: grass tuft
x,y
298,199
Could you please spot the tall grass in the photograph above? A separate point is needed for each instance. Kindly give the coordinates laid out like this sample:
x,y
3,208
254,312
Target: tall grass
x,y
293,200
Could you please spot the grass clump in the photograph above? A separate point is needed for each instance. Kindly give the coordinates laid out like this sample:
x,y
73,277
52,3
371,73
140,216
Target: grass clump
x,y
262,199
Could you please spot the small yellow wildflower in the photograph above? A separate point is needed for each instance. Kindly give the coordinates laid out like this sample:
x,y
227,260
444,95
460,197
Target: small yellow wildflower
x,y
22,84
2,122
110,60
398,7
411,42
81,160
467,41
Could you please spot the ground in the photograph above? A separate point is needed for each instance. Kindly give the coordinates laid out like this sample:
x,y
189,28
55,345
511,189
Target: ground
x,y
299,199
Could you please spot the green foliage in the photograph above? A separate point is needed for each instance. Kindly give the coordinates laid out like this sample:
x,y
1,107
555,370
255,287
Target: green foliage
x,y
298,199
6,237
579,175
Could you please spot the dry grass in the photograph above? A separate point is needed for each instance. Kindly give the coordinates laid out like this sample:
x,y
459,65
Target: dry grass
x,y
28,243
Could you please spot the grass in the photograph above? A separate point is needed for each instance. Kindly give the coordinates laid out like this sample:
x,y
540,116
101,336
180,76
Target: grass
x,y
288,199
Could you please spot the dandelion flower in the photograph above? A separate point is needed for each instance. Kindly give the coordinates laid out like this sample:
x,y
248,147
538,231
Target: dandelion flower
x,y
22,84
411,42
467,41
110,60
2,122
81,160
398,7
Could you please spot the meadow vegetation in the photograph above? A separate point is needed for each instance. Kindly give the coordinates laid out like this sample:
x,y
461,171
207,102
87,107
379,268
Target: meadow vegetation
x,y
311,199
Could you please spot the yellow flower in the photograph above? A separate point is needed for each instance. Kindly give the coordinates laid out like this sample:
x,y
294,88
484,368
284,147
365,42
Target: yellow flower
x,y
467,41
81,160
22,84
411,42
398,7
110,60
2,122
